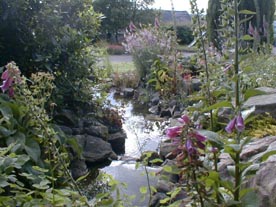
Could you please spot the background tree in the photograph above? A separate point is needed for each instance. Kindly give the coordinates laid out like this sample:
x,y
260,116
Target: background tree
x,y
263,18
53,36
119,13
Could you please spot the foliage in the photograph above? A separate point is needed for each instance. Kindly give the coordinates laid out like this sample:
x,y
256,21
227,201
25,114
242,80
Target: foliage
x,y
261,126
51,36
259,73
262,20
118,14
184,35
34,160
147,44
225,84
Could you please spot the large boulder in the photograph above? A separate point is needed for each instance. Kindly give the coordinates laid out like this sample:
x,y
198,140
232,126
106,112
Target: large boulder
x,y
117,141
95,149
263,104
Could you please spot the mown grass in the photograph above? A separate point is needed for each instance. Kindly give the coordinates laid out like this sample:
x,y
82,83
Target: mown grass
x,y
121,67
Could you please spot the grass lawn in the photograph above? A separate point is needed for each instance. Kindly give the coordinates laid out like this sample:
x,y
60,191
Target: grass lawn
x,y
122,67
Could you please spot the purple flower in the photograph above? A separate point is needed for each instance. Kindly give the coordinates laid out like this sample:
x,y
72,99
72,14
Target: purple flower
x,y
231,125
251,29
156,23
199,137
190,147
174,131
10,76
184,119
240,123
132,27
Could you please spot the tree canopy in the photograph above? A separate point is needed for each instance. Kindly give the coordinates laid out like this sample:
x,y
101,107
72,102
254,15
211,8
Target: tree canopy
x,y
49,36
264,16
119,13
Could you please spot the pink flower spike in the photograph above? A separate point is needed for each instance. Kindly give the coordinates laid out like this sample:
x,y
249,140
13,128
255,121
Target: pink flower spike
x,y
6,84
231,126
5,75
190,147
11,92
184,119
174,131
240,123
199,137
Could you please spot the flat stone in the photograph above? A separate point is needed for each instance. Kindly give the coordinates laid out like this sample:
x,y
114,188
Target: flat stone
x,y
267,90
263,104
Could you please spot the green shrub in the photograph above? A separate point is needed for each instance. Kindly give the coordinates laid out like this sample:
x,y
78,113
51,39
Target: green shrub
x,y
148,44
184,35
51,36
33,158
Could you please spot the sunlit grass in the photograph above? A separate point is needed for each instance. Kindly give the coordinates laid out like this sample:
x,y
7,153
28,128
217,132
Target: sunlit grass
x,y
122,67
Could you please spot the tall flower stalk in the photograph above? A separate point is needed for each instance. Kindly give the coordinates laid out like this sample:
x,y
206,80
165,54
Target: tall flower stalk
x,y
196,13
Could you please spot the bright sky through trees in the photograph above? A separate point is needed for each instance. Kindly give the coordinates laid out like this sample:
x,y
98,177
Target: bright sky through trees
x,y
179,5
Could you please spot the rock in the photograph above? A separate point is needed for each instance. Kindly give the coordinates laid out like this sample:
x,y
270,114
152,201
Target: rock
x,y
263,104
166,148
66,118
155,201
154,109
117,141
257,146
196,85
169,177
267,90
167,112
98,131
66,130
128,92
225,114
94,149
164,186
78,168
265,183
155,99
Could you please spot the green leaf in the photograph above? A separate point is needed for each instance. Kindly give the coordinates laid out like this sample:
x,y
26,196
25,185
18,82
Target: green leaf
x,y
247,38
251,170
245,11
213,138
175,192
6,111
33,149
3,181
6,132
218,105
266,155
143,190
252,92
39,169
156,161
250,199
165,200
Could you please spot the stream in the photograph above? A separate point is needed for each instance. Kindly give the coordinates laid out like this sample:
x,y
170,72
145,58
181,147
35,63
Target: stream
x,y
142,135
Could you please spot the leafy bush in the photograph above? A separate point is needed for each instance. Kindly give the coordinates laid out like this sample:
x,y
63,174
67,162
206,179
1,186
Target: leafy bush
x,y
148,44
259,72
184,35
33,157
51,36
